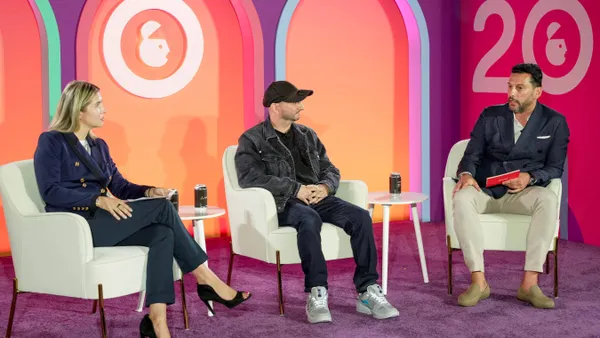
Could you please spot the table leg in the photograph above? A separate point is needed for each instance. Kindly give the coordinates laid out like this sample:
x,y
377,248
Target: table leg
x,y
370,208
385,245
201,240
415,216
141,301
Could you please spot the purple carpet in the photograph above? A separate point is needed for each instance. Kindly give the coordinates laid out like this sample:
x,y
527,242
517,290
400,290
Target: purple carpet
x,y
425,309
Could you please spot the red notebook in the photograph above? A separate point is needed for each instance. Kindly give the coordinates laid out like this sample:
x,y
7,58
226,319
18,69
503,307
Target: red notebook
x,y
499,179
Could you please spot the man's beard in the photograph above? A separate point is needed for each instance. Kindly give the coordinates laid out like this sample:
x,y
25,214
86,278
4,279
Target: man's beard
x,y
520,106
292,117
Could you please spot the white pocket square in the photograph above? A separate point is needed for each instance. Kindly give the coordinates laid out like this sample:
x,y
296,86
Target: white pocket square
x,y
543,137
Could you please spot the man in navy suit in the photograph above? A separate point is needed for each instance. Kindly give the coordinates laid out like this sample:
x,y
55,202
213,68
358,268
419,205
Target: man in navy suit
x,y
523,135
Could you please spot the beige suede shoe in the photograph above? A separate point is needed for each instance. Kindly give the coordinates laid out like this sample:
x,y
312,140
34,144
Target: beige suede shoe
x,y
535,297
473,295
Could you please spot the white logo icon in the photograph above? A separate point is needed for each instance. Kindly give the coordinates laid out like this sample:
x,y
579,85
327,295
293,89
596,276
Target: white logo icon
x,y
150,49
555,48
153,52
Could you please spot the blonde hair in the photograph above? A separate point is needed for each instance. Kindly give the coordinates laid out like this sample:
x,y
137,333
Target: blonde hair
x,y
75,97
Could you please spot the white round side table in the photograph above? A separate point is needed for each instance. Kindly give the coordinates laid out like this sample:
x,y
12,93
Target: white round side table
x,y
386,200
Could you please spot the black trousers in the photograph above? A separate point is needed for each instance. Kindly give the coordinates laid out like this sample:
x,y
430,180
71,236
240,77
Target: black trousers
x,y
156,225
356,222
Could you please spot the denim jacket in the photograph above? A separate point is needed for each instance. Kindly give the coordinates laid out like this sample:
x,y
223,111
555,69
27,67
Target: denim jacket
x,y
262,161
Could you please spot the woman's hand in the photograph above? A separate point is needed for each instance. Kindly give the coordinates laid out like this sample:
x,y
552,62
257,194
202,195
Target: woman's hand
x,y
118,208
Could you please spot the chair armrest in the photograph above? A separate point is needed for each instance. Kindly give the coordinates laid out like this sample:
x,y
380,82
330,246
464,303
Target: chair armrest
x,y
58,237
254,207
353,191
252,216
447,188
555,186
52,244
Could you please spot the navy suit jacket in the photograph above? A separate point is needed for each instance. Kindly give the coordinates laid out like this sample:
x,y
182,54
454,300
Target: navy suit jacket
x,y
69,179
541,149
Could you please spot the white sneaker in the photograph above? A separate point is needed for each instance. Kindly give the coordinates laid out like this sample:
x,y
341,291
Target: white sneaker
x,y
372,302
317,309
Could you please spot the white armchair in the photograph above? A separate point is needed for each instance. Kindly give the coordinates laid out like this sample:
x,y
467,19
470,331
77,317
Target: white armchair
x,y
255,231
52,253
501,231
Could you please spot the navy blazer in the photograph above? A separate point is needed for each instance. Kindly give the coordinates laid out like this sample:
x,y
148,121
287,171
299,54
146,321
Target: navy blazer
x,y
541,149
69,179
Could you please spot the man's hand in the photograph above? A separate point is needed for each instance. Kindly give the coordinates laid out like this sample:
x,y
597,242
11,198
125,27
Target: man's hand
x,y
305,192
319,193
118,208
464,181
158,192
518,184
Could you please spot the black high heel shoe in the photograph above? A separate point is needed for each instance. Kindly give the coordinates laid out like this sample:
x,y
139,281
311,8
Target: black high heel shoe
x,y
207,293
146,328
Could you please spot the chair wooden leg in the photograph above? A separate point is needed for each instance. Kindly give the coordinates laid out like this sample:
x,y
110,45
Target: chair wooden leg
x,y
548,263
231,254
94,306
13,304
186,320
556,267
448,243
279,287
101,305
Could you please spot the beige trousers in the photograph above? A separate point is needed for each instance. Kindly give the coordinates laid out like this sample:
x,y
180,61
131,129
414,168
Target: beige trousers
x,y
538,202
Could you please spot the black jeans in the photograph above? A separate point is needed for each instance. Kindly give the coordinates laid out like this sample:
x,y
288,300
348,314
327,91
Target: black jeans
x,y
156,225
356,222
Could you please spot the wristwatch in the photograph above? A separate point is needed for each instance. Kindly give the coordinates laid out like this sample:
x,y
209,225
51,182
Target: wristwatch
x,y
532,180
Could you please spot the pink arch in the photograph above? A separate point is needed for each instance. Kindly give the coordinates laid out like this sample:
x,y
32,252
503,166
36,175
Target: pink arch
x,y
414,93
252,46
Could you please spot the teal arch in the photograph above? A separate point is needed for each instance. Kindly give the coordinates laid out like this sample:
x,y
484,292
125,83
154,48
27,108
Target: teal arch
x,y
54,66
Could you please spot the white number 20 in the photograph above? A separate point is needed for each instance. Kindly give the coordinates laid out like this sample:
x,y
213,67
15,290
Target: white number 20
x,y
552,85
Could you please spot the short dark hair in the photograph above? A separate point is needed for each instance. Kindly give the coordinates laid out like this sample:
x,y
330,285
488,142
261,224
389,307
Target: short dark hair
x,y
531,69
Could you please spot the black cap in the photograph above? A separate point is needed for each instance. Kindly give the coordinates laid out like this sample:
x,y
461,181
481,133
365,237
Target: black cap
x,y
283,91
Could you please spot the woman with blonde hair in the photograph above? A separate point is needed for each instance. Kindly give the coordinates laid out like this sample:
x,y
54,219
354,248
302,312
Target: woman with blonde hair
x,y
75,173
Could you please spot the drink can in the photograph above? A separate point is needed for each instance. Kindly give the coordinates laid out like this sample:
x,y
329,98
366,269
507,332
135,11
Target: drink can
x,y
395,183
200,196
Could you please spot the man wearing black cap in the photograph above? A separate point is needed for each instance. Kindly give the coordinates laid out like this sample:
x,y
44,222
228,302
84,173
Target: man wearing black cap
x,y
289,160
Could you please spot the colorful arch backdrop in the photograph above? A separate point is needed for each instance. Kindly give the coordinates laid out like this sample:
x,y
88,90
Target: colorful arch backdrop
x,y
23,50
367,87
174,141
178,140
357,75
226,91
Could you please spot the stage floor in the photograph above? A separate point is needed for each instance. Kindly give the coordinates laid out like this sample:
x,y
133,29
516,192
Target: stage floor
x,y
426,310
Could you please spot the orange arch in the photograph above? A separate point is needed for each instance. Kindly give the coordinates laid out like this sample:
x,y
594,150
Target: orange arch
x,y
360,107
21,66
176,141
